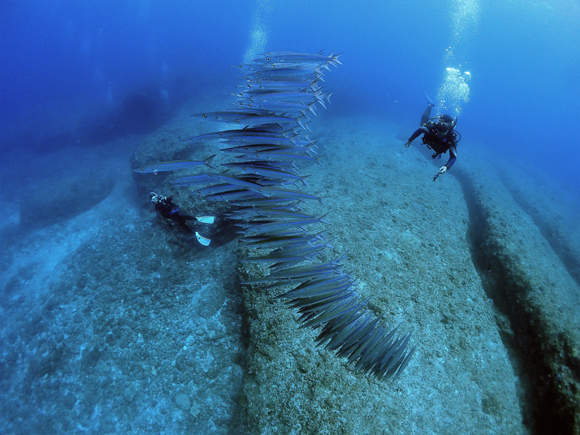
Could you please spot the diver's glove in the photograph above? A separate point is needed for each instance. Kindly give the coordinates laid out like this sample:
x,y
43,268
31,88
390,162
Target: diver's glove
x,y
443,169
407,144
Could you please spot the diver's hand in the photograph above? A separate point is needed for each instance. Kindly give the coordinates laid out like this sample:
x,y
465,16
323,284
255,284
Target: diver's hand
x,y
442,169
407,144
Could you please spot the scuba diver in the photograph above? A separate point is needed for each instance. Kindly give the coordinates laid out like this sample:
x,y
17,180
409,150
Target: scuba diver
x,y
439,135
166,208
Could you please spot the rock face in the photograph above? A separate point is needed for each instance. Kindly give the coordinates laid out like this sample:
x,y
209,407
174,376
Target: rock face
x,y
531,279
554,210
135,323
62,198
407,241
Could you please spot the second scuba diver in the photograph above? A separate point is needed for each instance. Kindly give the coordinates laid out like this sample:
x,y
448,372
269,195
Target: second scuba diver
x,y
170,211
439,135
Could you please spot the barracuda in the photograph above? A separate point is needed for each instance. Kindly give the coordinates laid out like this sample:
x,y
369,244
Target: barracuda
x,y
174,165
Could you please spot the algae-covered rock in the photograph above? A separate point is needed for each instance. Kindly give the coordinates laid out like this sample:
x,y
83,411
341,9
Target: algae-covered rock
x,y
553,209
407,246
534,289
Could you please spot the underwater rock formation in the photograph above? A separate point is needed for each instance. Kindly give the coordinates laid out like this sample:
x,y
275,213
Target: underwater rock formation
x,y
536,294
141,111
555,217
407,242
62,199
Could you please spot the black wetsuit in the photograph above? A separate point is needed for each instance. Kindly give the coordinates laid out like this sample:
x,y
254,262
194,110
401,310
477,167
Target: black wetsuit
x,y
434,140
169,210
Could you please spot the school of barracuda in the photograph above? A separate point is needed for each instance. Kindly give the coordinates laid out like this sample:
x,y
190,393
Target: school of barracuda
x,y
273,108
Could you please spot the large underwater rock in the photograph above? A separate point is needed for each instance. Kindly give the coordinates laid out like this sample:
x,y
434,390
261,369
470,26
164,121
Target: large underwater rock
x,y
407,242
62,198
118,323
553,208
534,290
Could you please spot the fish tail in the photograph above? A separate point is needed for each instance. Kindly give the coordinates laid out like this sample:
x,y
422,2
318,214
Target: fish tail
x,y
208,161
320,100
311,108
335,59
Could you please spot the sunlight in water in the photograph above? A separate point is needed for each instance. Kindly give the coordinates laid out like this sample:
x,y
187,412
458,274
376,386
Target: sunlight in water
x,y
258,32
464,19
454,90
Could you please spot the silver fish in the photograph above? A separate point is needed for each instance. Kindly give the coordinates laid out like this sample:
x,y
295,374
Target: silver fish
x,y
174,165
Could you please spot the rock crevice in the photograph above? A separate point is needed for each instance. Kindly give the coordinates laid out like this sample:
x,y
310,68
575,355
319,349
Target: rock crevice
x,y
535,298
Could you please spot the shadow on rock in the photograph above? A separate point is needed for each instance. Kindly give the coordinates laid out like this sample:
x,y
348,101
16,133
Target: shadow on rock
x,y
51,203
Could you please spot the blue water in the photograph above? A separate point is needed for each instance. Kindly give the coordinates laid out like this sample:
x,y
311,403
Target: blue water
x,y
77,75
524,58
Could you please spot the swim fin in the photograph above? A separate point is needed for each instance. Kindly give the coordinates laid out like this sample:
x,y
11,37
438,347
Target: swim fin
x,y
205,219
204,241
429,100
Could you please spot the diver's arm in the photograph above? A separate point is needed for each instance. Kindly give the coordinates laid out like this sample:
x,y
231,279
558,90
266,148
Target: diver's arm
x,y
452,157
450,162
415,135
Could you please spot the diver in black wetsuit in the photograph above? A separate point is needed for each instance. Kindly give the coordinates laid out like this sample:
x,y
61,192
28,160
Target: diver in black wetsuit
x,y
439,135
169,210
166,208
